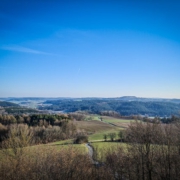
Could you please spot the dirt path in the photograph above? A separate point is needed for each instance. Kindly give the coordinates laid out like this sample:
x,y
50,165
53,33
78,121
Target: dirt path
x,y
91,152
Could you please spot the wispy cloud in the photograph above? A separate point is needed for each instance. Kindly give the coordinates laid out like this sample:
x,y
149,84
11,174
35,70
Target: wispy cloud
x,y
24,50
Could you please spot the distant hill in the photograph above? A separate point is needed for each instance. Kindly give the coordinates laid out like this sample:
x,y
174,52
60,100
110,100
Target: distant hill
x,y
8,104
134,98
123,98
20,110
124,107
161,109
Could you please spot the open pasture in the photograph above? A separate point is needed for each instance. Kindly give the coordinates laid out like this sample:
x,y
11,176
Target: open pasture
x,y
90,117
99,136
102,148
93,126
55,146
96,129
76,147
123,123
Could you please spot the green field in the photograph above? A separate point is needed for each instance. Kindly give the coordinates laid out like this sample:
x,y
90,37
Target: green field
x,y
102,148
78,147
60,145
100,135
93,117
63,142
119,122
123,123
114,120
93,126
96,129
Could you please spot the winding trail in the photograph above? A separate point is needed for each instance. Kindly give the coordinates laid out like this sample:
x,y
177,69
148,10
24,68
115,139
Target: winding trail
x,y
91,152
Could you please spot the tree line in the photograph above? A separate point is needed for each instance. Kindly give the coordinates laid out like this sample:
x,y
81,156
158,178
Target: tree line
x,y
35,119
124,108
44,128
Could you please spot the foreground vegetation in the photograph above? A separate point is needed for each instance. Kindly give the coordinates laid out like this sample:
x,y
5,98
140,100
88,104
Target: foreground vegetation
x,y
151,151
43,147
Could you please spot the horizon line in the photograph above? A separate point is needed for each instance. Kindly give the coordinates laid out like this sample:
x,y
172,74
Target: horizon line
x,y
56,97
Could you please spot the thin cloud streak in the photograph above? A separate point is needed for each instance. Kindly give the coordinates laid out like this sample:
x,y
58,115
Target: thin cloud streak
x,y
24,50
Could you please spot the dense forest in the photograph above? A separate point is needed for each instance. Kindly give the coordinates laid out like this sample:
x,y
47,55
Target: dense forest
x,y
44,127
125,108
13,108
19,110
8,104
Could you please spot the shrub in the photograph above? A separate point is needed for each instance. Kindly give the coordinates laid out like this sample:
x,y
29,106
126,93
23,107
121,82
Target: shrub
x,y
81,139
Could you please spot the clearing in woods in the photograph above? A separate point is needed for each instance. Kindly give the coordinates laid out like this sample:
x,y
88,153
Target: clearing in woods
x,y
96,129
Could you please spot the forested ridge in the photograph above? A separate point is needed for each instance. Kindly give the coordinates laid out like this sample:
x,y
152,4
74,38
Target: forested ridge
x,y
150,108
8,104
125,106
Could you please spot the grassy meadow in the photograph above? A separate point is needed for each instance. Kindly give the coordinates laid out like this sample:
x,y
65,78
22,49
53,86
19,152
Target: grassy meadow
x,y
120,122
123,123
102,148
96,129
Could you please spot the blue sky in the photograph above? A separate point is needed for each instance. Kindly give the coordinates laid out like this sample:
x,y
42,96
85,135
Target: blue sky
x,y
89,48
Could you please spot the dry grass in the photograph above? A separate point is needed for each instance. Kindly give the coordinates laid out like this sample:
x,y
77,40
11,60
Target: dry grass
x,y
96,129
93,126
101,149
123,123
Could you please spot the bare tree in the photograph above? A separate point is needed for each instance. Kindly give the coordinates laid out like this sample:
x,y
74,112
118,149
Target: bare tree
x,y
121,135
105,137
112,136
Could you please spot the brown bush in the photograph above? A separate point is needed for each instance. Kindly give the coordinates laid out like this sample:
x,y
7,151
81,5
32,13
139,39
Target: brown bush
x,y
80,139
